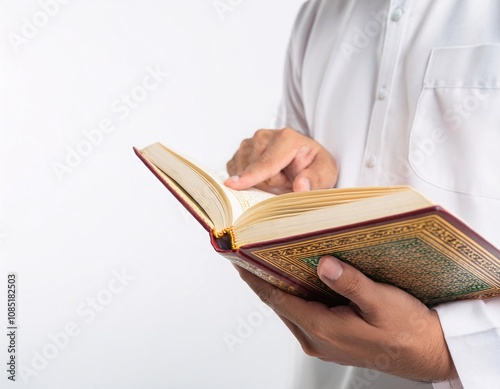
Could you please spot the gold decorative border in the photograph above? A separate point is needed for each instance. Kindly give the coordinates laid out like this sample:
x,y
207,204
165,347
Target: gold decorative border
x,y
432,229
264,275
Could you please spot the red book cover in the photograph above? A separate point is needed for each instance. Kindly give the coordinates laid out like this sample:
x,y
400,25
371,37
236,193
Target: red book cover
x,y
429,253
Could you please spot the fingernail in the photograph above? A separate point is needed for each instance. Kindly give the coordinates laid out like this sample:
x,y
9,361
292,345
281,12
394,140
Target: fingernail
x,y
235,178
303,150
304,185
330,268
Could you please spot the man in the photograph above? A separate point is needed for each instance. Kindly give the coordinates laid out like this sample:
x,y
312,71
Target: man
x,y
386,92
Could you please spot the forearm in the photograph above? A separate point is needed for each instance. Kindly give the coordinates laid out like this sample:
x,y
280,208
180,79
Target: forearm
x,y
472,332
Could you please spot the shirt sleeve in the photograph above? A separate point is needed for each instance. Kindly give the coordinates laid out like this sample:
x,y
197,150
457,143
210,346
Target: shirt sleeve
x,y
292,111
452,384
472,332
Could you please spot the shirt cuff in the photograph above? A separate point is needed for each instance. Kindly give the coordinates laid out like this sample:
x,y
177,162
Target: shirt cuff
x,y
452,384
472,332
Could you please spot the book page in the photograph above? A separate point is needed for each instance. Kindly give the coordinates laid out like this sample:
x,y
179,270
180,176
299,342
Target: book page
x,y
205,190
222,204
279,224
240,200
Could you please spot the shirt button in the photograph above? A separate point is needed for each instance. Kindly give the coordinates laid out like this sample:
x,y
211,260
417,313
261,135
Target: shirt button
x,y
397,14
382,93
371,161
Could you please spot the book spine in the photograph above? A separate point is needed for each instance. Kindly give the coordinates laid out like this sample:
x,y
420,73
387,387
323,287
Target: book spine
x,y
272,276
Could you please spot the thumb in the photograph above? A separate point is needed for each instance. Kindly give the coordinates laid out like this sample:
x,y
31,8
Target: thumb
x,y
350,283
322,173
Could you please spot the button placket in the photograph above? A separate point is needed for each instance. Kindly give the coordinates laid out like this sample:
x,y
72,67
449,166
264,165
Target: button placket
x,y
397,14
382,93
371,161
372,168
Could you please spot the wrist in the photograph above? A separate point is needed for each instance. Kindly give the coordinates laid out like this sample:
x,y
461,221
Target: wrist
x,y
444,367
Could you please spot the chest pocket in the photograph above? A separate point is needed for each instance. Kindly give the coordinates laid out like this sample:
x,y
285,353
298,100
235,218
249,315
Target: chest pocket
x,y
455,139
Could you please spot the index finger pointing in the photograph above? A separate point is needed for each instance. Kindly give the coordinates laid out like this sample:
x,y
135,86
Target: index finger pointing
x,y
270,163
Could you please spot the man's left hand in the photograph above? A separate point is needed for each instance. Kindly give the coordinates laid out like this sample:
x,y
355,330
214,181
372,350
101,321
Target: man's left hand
x,y
383,328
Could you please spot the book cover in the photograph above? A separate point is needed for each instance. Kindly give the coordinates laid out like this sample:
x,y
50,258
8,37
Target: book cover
x,y
429,253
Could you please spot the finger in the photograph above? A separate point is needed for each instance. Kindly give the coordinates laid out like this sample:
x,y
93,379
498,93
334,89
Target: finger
x,y
294,329
277,184
321,173
246,153
351,283
303,338
233,165
303,158
279,152
267,165
250,279
293,308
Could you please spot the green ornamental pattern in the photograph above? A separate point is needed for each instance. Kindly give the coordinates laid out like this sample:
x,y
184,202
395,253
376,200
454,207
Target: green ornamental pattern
x,y
427,274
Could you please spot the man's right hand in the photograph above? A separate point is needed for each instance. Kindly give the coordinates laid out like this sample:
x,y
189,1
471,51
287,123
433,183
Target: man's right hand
x,y
280,161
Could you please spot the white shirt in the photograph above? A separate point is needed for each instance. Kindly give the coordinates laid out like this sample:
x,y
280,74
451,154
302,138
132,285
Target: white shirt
x,y
408,92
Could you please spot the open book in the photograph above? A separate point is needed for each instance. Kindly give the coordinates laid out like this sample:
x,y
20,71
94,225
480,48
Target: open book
x,y
392,234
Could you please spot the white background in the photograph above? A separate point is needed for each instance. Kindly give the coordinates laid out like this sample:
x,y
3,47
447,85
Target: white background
x,y
66,237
